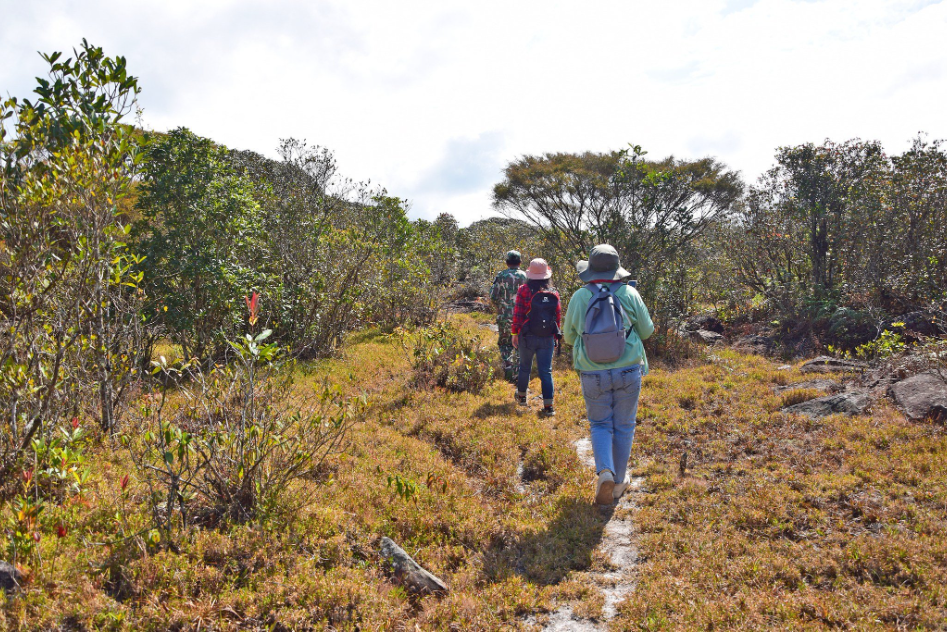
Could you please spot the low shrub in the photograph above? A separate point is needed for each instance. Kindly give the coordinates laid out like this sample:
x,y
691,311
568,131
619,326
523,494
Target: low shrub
x,y
445,355
227,441
670,347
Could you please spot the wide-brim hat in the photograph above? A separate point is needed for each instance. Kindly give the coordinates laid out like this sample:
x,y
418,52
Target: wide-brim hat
x,y
603,265
538,270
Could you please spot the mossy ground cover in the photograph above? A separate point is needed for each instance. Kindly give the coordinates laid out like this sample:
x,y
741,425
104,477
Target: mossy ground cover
x,y
777,521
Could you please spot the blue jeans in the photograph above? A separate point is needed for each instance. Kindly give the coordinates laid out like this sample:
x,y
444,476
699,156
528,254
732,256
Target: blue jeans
x,y
542,347
611,400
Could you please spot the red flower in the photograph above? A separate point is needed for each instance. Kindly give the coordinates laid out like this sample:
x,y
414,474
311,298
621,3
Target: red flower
x,y
253,307
75,422
124,482
61,531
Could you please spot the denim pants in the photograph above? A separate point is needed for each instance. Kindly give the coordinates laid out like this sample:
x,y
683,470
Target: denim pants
x,y
542,347
611,400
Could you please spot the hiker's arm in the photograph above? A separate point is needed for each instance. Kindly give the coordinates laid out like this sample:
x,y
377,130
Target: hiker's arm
x,y
494,291
571,330
643,326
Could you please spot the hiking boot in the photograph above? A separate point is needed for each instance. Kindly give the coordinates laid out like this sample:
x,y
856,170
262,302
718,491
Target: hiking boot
x,y
520,398
604,488
620,488
548,411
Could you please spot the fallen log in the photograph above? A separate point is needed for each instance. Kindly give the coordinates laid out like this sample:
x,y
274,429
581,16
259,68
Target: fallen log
x,y
408,572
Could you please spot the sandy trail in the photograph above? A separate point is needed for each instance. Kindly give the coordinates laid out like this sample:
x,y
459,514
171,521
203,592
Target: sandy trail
x,y
620,548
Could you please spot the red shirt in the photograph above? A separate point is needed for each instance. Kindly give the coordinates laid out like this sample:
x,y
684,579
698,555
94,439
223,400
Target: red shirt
x,y
524,296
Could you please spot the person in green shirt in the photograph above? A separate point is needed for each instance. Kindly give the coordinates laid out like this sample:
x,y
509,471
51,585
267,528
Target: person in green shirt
x,y
503,294
610,390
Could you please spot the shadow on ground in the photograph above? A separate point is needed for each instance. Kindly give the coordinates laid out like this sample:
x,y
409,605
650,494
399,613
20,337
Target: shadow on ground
x,y
491,409
547,556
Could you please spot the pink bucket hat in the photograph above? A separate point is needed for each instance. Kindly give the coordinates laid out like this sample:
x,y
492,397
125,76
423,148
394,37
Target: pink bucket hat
x,y
538,269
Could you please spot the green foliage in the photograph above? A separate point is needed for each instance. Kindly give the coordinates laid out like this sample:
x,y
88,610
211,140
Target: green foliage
x,y
828,221
21,528
60,462
653,212
406,488
447,356
201,234
481,248
331,254
889,343
71,329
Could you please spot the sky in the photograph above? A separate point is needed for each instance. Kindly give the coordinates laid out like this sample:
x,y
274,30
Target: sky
x,y
431,100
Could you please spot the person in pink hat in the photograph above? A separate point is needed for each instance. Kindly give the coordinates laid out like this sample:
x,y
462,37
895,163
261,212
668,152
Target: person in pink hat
x,y
537,328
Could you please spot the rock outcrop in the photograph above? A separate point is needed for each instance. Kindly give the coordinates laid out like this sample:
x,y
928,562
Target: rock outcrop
x,y
408,572
923,396
10,577
850,403
828,364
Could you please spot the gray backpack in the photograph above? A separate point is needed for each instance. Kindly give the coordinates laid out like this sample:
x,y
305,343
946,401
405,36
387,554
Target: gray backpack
x,y
605,334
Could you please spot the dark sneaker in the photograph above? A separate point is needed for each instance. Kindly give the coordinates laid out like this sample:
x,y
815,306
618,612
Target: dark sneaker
x,y
520,399
548,411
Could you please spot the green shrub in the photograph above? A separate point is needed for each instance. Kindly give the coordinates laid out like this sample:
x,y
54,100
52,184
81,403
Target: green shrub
x,y
445,355
889,343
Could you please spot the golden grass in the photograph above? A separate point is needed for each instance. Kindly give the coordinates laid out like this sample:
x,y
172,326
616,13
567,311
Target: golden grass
x,y
779,522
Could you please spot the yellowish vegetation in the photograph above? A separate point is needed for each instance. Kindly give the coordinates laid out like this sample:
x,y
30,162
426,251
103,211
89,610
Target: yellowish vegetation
x,y
778,521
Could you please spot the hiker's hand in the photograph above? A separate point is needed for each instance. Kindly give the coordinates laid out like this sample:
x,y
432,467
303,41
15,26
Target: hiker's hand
x,y
516,341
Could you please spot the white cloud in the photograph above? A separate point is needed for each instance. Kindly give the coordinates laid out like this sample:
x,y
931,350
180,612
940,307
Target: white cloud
x,y
431,100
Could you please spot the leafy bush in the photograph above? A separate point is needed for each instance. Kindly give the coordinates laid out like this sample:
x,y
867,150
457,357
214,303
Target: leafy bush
x,y
827,221
889,343
201,238
69,325
229,440
445,355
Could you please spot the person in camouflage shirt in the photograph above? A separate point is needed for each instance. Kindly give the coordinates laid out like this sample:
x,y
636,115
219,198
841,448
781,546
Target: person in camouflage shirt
x,y
503,295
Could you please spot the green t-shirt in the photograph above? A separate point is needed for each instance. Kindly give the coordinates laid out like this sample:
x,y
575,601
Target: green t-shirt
x,y
635,314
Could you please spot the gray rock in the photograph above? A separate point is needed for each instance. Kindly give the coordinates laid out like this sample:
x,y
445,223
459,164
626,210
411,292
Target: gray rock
x,y
827,386
828,364
921,323
708,337
757,343
408,572
707,323
851,403
923,396
10,577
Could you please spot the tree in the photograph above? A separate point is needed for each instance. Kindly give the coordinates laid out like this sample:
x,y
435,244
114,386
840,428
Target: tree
x,y
650,211
202,238
69,314
482,245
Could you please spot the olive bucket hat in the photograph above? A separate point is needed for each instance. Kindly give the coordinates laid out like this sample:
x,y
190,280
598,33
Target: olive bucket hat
x,y
513,256
603,265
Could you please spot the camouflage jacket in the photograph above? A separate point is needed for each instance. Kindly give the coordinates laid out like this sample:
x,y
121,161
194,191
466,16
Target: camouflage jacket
x,y
503,292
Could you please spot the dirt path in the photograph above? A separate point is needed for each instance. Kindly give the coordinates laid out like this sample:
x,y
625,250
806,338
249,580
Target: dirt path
x,y
619,547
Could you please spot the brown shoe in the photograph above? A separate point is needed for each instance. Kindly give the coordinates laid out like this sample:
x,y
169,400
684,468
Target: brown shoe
x,y
604,488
